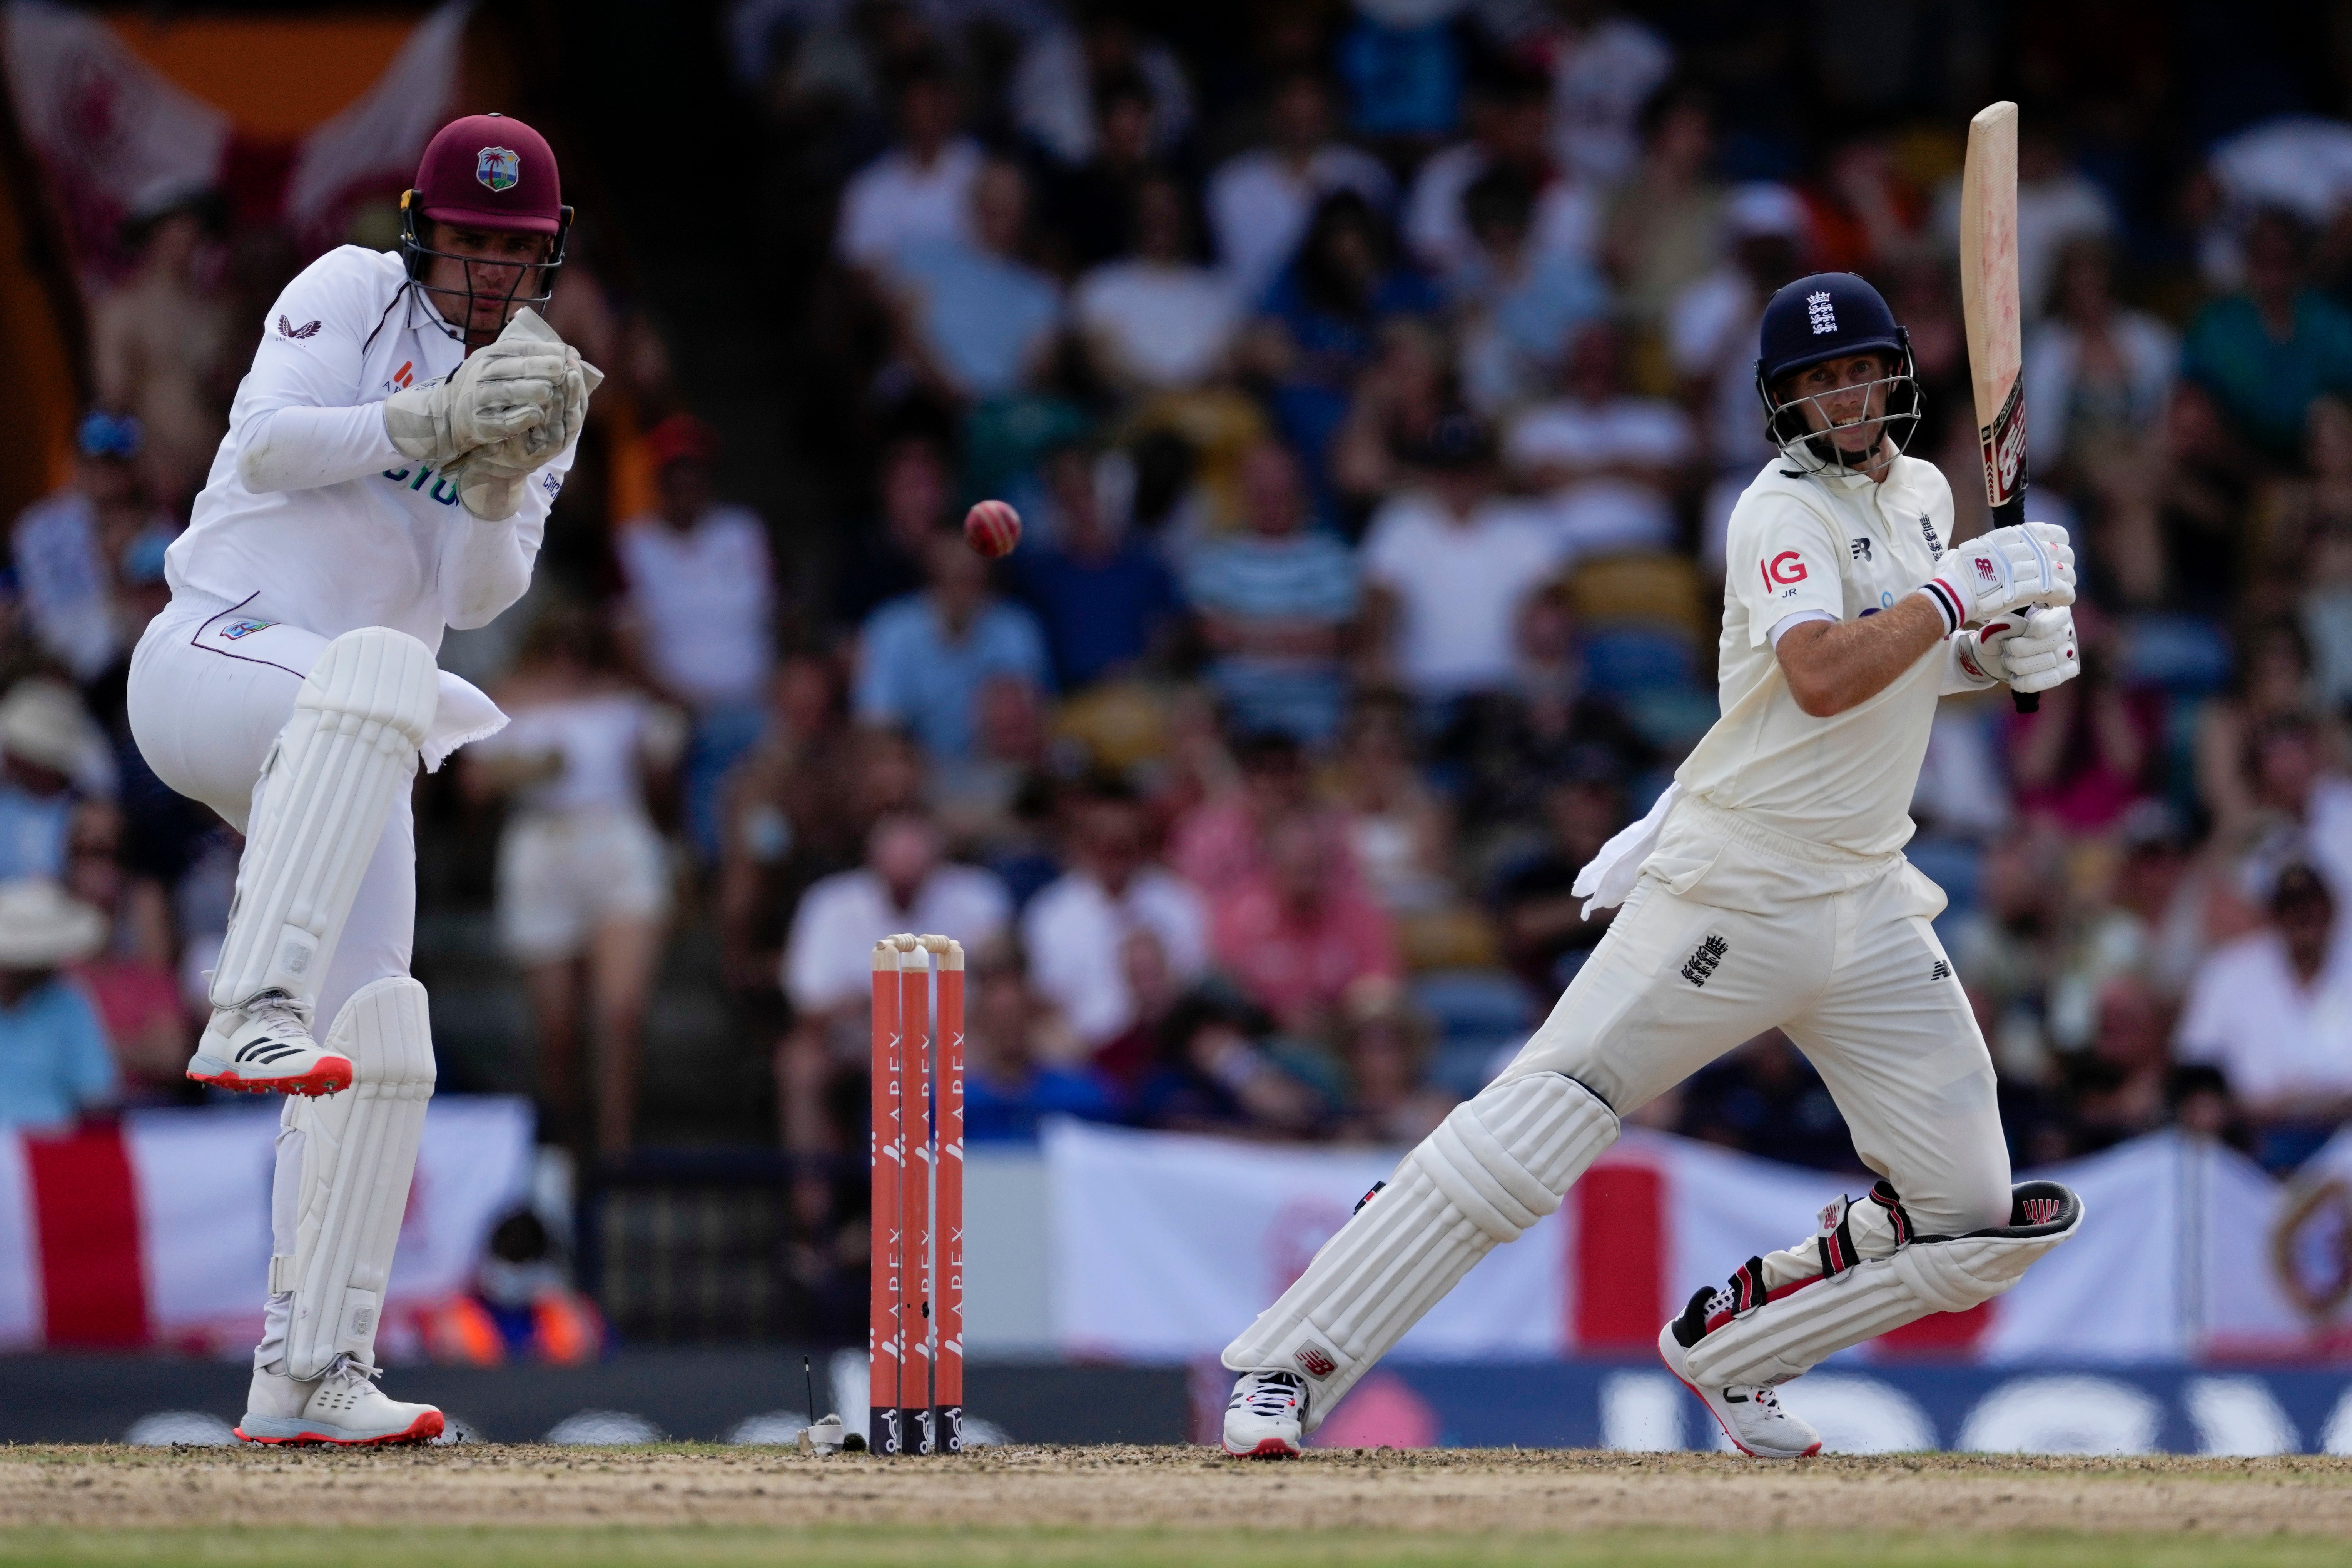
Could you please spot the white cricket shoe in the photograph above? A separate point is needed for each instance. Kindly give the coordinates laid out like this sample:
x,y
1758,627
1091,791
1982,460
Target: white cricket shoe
x,y
265,1048
1751,1414
1262,1419
342,1407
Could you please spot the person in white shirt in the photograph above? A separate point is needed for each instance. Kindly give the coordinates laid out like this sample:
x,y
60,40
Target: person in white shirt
x,y
1607,462
2274,1011
1510,124
903,886
584,874
387,473
1078,926
697,614
1259,201
919,191
1766,889
1157,320
1447,566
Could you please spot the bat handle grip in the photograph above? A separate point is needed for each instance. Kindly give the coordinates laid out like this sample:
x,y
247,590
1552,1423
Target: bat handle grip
x,y
2009,512
2026,702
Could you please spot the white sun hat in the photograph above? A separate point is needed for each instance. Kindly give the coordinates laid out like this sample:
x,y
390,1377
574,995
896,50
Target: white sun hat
x,y
42,926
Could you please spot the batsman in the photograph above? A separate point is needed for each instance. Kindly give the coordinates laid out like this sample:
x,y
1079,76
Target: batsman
x,y
1766,889
389,465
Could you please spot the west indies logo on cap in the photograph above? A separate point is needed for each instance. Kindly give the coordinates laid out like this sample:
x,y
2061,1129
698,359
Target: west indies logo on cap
x,y
499,167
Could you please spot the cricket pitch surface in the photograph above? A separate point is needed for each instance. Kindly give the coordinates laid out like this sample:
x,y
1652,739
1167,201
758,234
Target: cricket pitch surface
x,y
683,1504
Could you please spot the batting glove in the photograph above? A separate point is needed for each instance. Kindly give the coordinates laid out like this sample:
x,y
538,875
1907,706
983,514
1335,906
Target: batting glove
x,y
1996,572
2033,652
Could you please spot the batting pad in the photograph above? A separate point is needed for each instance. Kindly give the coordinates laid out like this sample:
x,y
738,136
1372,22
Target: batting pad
x,y
1494,1166
1784,1338
326,789
359,1150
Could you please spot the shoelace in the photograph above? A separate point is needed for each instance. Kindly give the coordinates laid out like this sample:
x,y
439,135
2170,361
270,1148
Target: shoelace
x,y
276,1017
1769,1402
1274,1396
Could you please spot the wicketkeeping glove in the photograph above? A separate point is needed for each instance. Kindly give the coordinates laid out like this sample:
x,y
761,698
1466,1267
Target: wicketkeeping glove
x,y
490,478
504,389
1995,572
2033,652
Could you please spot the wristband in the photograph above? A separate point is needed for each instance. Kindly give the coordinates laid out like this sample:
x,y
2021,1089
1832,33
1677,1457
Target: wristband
x,y
1941,597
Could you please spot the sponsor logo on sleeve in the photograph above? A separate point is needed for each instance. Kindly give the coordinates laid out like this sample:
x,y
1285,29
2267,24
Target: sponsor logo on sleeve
x,y
1784,568
288,330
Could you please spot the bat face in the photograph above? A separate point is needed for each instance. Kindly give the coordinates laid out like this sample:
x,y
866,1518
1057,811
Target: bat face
x,y
1990,300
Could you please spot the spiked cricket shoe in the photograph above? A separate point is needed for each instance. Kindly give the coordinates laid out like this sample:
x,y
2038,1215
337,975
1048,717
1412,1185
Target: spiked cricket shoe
x,y
1750,1414
265,1048
344,1407
1263,1419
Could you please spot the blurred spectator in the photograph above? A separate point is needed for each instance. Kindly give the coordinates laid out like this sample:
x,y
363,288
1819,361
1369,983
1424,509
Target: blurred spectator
x,y
1866,215
2301,802
885,557
1275,604
1153,992
1007,1088
1546,936
903,886
1218,1073
159,350
2272,681
129,980
1157,320
1399,830
1090,211
2117,1085
1607,462
988,802
1508,124
922,658
2100,370
792,817
1449,566
1401,61
1604,66
2087,754
1054,91
1409,387
1546,722
1383,1051
1220,843
2274,1013
920,191
1297,937
1662,231
54,1061
1075,931
1519,305
583,877
1765,1098
1104,599
1259,201
700,598
1710,339
1319,322
976,319
71,547
48,746
519,1307
2267,351
2056,205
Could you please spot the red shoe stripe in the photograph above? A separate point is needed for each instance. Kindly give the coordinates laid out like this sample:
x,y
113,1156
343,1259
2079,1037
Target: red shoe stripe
x,y
331,1075
425,1427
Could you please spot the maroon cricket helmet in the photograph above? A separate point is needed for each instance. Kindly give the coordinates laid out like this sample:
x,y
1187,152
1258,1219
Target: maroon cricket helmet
x,y
488,171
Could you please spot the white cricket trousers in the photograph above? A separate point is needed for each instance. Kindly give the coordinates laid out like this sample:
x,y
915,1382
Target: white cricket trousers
x,y
1855,975
210,687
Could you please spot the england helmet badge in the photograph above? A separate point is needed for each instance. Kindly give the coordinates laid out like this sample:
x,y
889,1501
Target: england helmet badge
x,y
499,167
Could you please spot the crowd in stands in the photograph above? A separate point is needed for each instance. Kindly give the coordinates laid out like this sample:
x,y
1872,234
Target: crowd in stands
x,y
1374,399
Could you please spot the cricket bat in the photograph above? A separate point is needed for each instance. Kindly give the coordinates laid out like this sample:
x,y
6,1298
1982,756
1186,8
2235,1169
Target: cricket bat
x,y
1991,306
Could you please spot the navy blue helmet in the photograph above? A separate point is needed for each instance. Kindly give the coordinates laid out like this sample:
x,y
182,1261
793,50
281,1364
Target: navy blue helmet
x,y
1827,316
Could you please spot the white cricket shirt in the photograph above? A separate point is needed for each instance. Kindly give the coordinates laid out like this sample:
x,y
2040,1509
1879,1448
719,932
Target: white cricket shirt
x,y
310,516
1844,547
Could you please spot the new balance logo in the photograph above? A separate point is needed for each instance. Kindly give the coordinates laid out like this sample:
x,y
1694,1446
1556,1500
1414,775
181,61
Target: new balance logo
x,y
1861,548
1941,972
1316,1360
1701,965
2038,1211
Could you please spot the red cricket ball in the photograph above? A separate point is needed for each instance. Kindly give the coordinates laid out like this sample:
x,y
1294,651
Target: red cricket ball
x,y
991,527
